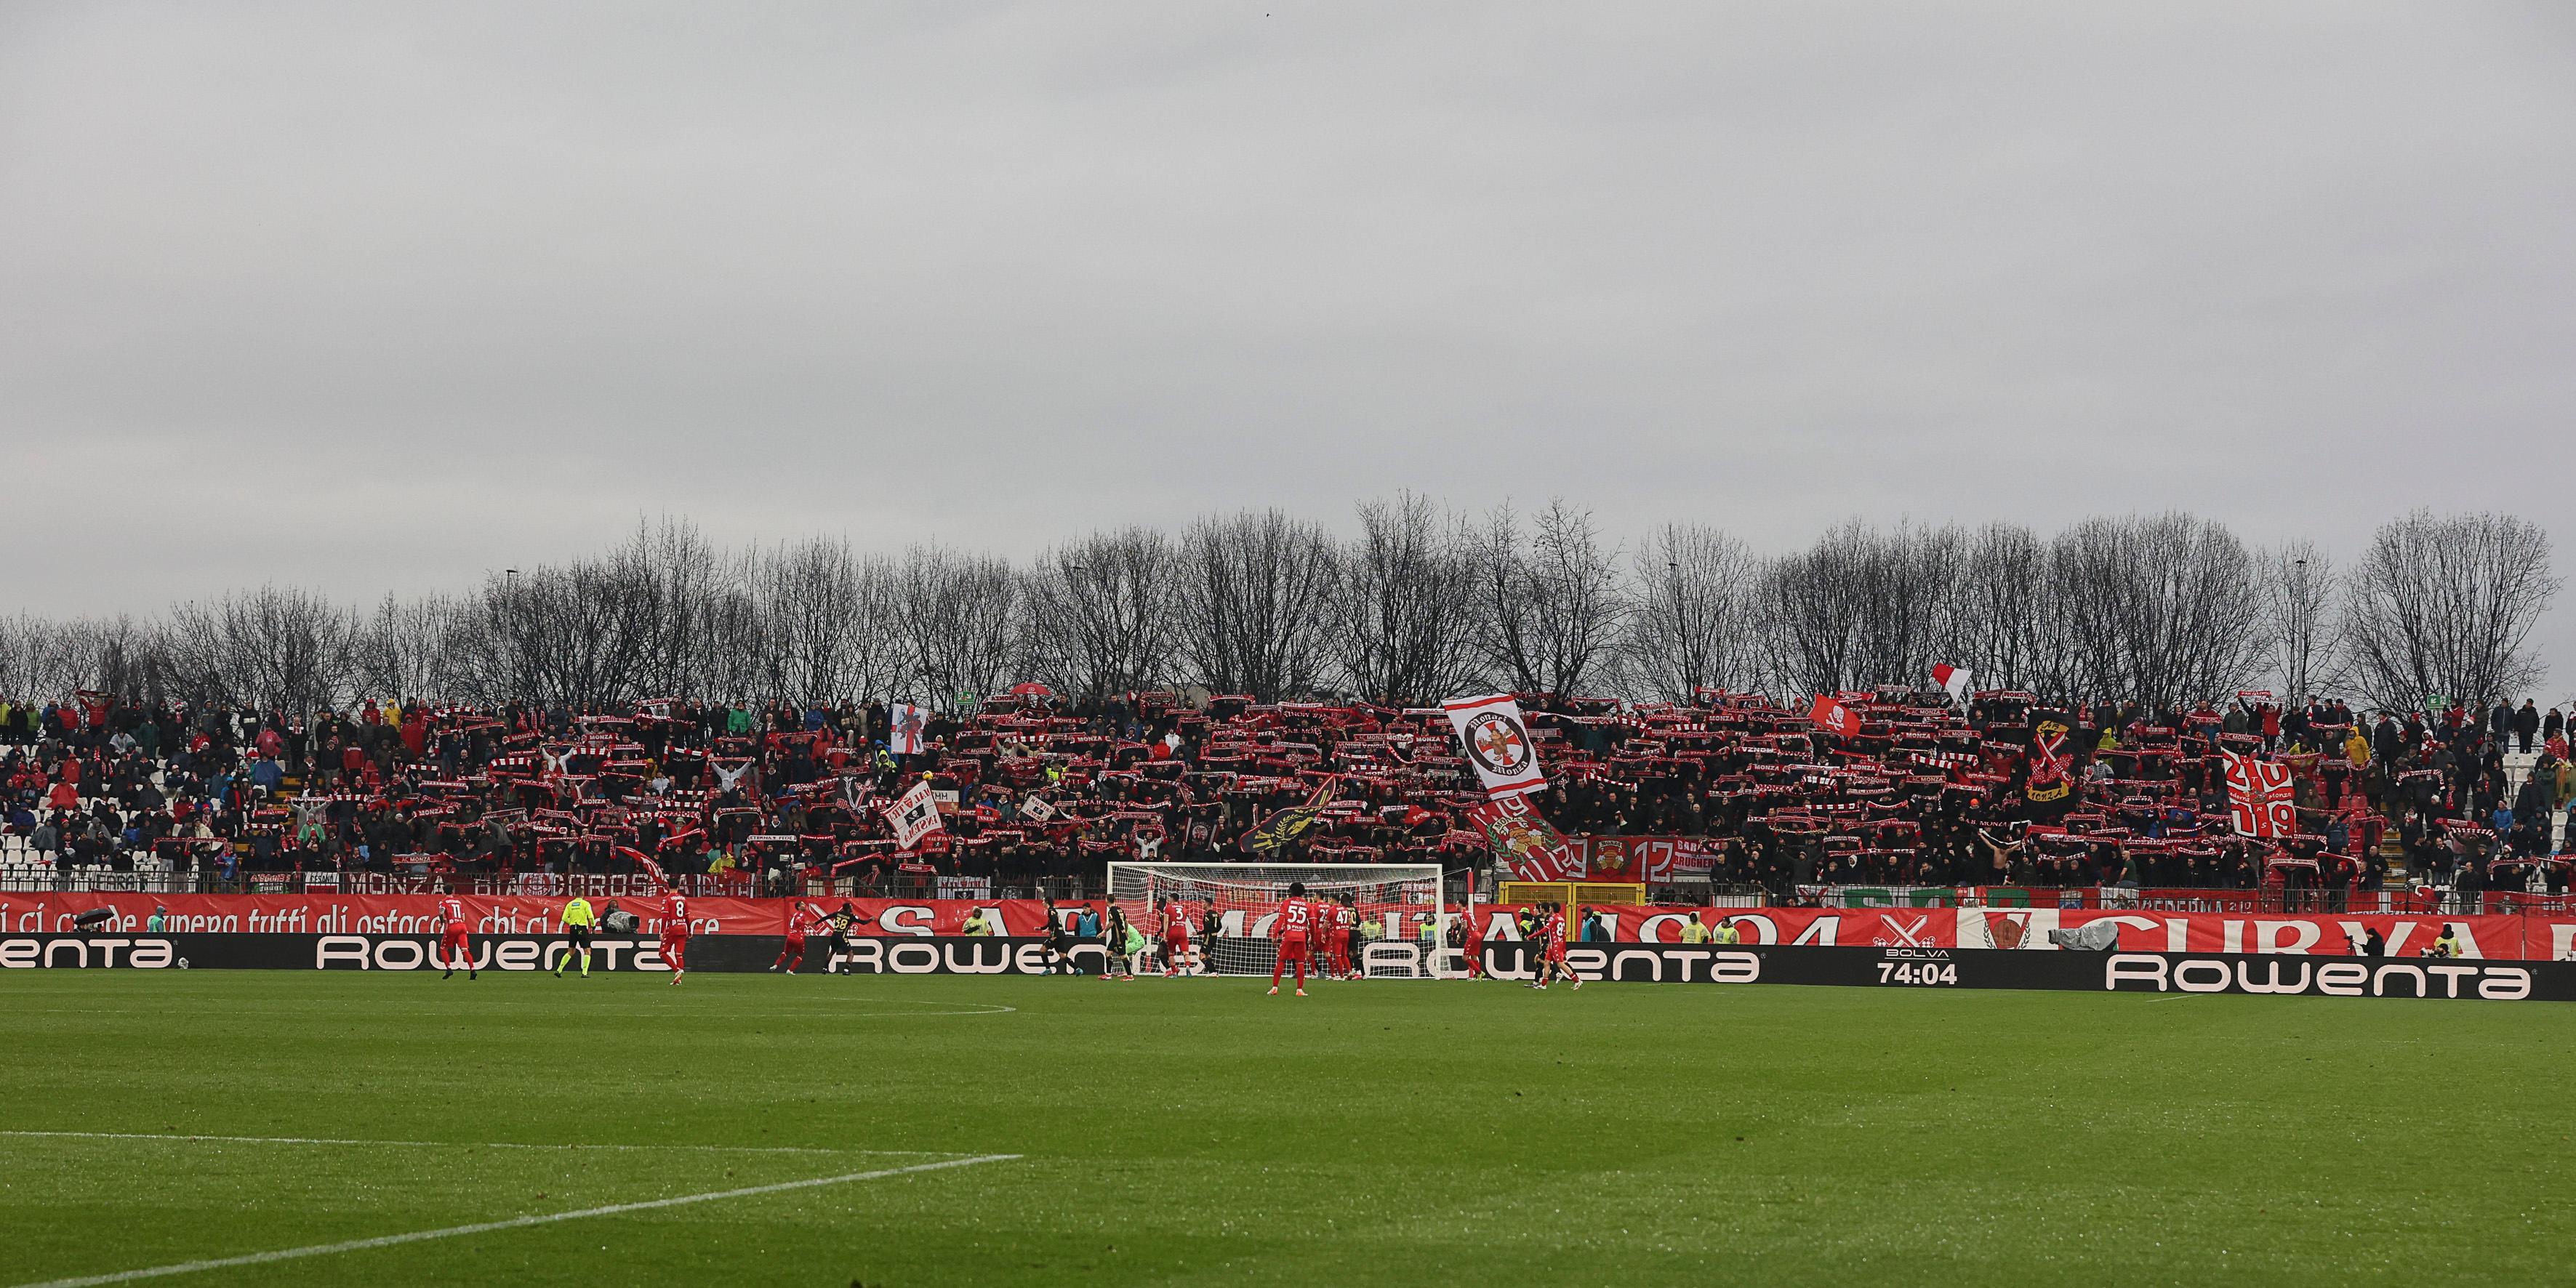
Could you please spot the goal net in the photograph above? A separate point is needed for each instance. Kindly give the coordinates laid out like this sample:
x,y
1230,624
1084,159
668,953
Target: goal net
x,y
1232,910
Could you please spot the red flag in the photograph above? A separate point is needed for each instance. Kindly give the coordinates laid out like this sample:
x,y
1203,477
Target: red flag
x,y
644,861
1522,838
2260,798
1834,715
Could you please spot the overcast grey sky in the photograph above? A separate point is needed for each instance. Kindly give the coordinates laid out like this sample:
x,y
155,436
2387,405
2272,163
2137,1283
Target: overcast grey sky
x,y
370,297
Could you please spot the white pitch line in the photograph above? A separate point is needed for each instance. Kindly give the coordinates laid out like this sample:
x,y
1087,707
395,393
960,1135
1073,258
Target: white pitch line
x,y
988,1008
514,1223
455,1144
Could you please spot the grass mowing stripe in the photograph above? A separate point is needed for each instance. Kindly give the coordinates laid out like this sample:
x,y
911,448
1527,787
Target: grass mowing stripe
x,y
453,1144
514,1223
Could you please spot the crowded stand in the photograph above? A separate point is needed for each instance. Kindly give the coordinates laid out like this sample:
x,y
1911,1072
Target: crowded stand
x,y
1739,794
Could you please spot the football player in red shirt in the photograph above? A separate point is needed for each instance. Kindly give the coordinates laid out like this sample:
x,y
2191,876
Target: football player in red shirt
x,y
675,932
1473,945
1176,939
801,920
1346,936
1552,951
451,936
1296,927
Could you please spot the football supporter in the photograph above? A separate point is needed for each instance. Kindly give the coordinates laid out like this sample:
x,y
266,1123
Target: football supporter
x,y
1296,927
683,786
578,922
451,936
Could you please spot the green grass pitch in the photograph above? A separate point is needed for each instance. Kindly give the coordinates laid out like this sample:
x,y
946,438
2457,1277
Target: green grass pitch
x,y
1200,1132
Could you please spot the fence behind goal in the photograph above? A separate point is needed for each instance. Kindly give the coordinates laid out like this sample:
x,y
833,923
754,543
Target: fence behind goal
x,y
1232,910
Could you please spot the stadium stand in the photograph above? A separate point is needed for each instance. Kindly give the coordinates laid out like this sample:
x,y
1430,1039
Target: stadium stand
x,y
1037,797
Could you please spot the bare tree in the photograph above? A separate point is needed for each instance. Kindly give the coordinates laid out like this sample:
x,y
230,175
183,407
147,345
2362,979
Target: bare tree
x,y
1811,608
2163,610
1100,614
958,618
1862,608
2445,605
26,641
1405,619
568,635
1694,623
1420,606
682,613
1255,601
1550,596
2299,594
280,649
664,614
402,649
825,621
2000,628
1910,590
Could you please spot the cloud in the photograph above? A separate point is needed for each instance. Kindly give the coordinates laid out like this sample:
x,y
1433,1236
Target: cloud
x,y
385,297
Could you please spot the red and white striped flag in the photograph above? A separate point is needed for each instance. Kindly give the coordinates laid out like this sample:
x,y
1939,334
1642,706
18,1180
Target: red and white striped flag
x,y
644,861
1953,681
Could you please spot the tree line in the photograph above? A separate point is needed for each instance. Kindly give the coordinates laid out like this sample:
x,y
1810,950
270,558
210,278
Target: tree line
x,y
1422,603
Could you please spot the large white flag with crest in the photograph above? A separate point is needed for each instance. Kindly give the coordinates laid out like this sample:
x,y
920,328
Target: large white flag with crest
x,y
1498,743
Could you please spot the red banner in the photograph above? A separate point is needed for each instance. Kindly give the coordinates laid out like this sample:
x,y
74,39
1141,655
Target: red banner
x,y
416,914
2533,936
2259,797
1642,858
1524,840
2526,936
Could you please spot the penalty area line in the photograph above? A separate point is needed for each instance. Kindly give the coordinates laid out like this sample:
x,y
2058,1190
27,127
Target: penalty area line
x,y
514,1223
185,1137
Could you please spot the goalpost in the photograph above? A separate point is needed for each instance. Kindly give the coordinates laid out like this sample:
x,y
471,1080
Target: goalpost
x,y
1393,901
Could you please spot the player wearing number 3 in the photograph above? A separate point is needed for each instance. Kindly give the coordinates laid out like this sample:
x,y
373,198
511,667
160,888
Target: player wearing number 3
x,y
1176,938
